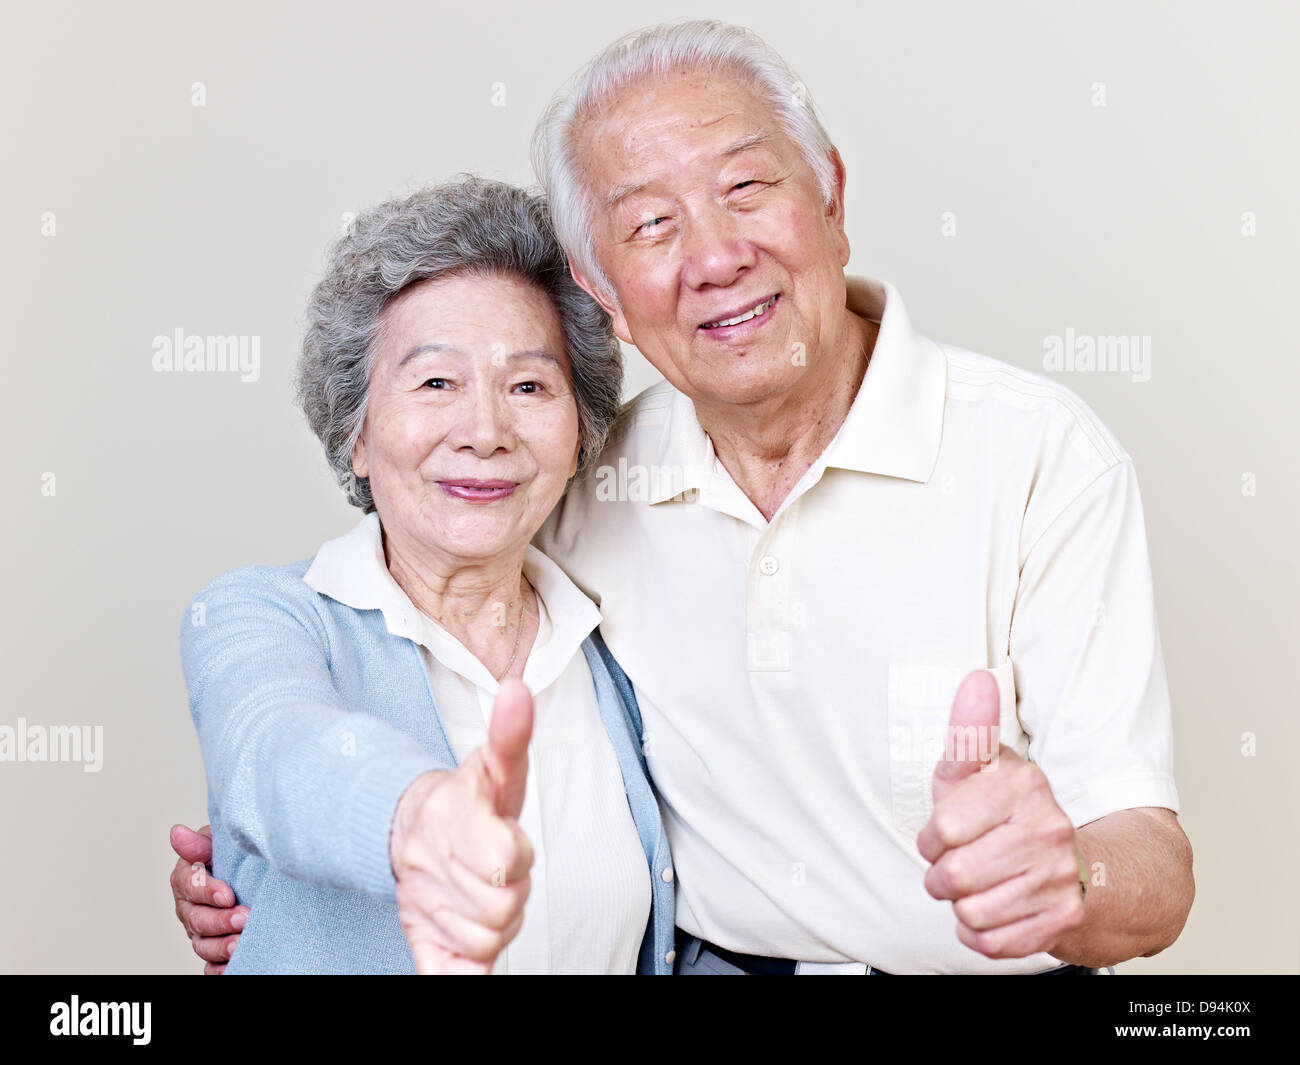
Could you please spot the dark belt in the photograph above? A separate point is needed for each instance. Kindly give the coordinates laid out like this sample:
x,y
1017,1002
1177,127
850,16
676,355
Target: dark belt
x,y
757,965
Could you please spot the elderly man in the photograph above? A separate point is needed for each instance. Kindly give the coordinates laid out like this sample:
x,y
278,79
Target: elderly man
x,y
835,520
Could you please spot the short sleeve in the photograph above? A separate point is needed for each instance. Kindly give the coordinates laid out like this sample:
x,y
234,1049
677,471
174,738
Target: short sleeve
x,y
1090,678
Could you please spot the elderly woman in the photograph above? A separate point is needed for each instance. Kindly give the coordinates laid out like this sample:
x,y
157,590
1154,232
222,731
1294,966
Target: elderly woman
x,y
376,763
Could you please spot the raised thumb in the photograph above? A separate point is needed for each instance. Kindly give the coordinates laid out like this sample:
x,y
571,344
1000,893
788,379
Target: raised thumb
x,y
506,752
972,735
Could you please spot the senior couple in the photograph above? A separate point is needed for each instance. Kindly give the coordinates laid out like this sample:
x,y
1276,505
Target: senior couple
x,y
517,722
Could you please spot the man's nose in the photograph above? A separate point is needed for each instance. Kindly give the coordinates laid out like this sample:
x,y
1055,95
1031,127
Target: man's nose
x,y
716,248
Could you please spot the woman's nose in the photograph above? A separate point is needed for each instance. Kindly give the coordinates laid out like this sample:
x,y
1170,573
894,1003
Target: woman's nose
x,y
484,425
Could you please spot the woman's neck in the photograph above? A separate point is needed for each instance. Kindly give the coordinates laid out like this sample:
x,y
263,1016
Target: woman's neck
x,y
487,605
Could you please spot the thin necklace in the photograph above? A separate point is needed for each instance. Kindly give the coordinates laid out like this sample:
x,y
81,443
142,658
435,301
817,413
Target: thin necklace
x,y
519,631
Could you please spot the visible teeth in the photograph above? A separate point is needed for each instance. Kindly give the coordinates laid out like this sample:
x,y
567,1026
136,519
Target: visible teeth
x,y
742,317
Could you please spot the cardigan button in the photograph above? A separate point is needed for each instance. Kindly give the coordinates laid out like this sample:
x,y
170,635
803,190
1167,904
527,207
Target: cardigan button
x,y
670,956
667,874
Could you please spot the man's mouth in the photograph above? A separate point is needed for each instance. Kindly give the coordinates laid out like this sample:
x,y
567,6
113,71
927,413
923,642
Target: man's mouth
x,y
744,315
475,491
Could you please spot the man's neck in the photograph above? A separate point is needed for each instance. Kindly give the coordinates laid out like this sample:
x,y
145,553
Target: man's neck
x,y
768,446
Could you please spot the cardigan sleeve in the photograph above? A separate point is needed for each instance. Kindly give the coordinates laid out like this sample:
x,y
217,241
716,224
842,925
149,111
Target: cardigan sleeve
x,y
297,778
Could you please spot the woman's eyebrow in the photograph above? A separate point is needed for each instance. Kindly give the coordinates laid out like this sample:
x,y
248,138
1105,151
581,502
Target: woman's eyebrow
x,y
534,353
420,349
528,353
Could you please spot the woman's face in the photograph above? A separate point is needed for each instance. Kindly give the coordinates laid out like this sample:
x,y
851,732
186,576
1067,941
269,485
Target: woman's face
x,y
471,429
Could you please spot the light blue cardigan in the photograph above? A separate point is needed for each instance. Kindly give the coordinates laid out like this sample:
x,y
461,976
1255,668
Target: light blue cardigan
x,y
313,719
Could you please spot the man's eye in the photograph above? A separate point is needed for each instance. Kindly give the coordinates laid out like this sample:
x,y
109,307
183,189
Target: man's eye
x,y
743,184
651,223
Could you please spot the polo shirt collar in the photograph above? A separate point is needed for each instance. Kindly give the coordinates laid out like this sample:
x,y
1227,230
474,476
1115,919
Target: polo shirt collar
x,y
895,424
686,456
893,427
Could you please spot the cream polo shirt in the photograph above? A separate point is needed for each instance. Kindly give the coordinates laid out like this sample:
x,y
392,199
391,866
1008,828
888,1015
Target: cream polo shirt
x,y
795,677
590,898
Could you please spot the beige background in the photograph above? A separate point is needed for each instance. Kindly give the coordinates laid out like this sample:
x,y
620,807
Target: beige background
x,y
1122,219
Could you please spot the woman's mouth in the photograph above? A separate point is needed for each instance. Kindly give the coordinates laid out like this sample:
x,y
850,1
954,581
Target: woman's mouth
x,y
474,491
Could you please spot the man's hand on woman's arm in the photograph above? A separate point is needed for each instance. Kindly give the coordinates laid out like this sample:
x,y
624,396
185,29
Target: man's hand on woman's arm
x,y
205,906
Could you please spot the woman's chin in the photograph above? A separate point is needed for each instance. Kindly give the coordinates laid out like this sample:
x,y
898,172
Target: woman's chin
x,y
477,534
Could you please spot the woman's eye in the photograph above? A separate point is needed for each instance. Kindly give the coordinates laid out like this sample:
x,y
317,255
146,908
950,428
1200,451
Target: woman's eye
x,y
435,382
531,387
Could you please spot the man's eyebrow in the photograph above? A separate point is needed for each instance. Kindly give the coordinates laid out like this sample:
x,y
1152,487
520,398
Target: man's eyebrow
x,y
753,140
619,193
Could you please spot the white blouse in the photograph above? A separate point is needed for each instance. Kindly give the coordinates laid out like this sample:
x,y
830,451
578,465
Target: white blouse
x,y
590,898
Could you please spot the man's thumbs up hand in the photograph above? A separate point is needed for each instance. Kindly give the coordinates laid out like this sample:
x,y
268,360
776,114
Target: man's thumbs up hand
x,y
460,858
972,736
998,844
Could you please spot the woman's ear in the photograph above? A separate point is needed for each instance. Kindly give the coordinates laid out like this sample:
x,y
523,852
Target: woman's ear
x,y
360,460
577,452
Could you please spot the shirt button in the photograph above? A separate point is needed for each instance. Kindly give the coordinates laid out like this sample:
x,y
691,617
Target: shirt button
x,y
667,874
670,956
768,564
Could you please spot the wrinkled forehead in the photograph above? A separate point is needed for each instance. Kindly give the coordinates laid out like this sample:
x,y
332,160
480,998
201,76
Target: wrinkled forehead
x,y
655,126
470,310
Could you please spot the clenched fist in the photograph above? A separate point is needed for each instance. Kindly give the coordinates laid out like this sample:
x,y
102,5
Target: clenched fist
x,y
460,858
1000,846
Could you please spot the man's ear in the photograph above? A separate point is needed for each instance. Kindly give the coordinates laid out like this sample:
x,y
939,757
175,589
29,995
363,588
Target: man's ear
x,y
835,209
606,301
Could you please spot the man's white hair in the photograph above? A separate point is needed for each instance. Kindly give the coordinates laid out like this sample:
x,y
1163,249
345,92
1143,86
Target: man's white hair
x,y
653,52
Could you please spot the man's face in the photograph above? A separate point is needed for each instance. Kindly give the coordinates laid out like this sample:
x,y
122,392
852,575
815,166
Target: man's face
x,y
705,211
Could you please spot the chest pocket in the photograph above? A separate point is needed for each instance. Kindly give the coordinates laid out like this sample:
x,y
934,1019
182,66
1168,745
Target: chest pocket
x,y
920,704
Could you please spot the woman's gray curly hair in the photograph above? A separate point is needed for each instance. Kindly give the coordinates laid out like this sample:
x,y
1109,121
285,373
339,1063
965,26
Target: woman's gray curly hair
x,y
469,226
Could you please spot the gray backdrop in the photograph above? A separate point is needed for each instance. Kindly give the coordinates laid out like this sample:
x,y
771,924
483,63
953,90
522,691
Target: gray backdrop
x,y
1016,169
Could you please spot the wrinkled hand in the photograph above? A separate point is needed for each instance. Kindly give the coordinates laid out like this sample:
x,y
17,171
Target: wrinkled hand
x,y
205,906
460,858
998,844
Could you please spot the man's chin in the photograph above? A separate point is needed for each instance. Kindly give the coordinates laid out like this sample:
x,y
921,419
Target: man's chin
x,y
747,377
